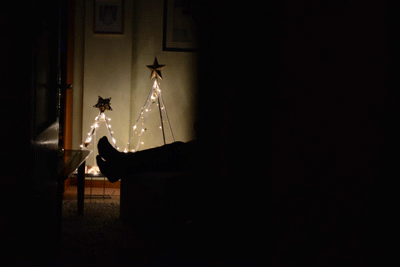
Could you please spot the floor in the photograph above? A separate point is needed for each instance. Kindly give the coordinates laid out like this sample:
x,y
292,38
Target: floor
x,y
94,194
100,238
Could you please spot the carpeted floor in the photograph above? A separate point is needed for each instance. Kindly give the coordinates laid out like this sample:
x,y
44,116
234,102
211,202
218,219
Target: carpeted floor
x,y
99,238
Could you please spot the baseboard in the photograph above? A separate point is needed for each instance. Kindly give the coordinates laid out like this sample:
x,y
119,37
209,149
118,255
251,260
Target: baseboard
x,y
97,183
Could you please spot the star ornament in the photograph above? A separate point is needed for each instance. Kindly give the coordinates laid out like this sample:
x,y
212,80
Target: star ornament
x,y
156,70
103,104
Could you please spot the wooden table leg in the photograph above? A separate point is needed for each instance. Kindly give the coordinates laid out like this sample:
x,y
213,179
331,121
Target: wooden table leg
x,y
81,187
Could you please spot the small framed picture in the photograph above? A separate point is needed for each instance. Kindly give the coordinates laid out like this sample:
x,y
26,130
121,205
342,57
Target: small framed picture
x,y
179,26
108,16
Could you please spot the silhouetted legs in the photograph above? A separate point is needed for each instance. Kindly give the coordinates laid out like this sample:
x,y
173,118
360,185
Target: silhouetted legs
x,y
174,157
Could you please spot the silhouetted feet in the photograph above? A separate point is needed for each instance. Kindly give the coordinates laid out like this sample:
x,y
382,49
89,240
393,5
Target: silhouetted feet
x,y
110,161
106,150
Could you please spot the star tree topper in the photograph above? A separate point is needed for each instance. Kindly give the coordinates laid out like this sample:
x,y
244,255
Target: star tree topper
x,y
103,104
155,70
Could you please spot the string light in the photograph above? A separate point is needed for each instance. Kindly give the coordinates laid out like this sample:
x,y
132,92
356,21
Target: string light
x,y
100,118
154,94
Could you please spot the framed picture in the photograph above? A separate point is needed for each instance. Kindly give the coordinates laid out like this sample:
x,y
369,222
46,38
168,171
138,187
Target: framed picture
x,y
108,16
179,26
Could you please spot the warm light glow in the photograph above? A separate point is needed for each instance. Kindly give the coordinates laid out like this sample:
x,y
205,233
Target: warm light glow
x,y
94,128
94,170
154,94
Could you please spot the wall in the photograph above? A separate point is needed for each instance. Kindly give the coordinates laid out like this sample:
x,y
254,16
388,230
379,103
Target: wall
x,y
115,66
179,84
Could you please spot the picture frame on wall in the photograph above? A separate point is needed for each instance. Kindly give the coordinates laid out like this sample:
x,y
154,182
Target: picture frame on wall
x,y
179,26
108,16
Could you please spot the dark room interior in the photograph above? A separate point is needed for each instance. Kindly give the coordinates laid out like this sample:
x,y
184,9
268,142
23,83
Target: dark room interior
x,y
297,119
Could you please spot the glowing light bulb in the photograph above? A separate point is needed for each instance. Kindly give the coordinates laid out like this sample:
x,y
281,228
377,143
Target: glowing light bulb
x,y
134,127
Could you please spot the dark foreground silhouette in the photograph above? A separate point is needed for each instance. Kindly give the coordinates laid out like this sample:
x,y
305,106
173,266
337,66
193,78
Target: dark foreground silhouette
x,y
175,157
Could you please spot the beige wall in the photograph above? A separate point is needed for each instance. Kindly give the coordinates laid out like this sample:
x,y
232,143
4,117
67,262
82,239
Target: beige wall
x,y
179,84
115,66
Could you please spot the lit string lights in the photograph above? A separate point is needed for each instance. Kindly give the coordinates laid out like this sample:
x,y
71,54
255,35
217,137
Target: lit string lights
x,y
101,118
154,97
